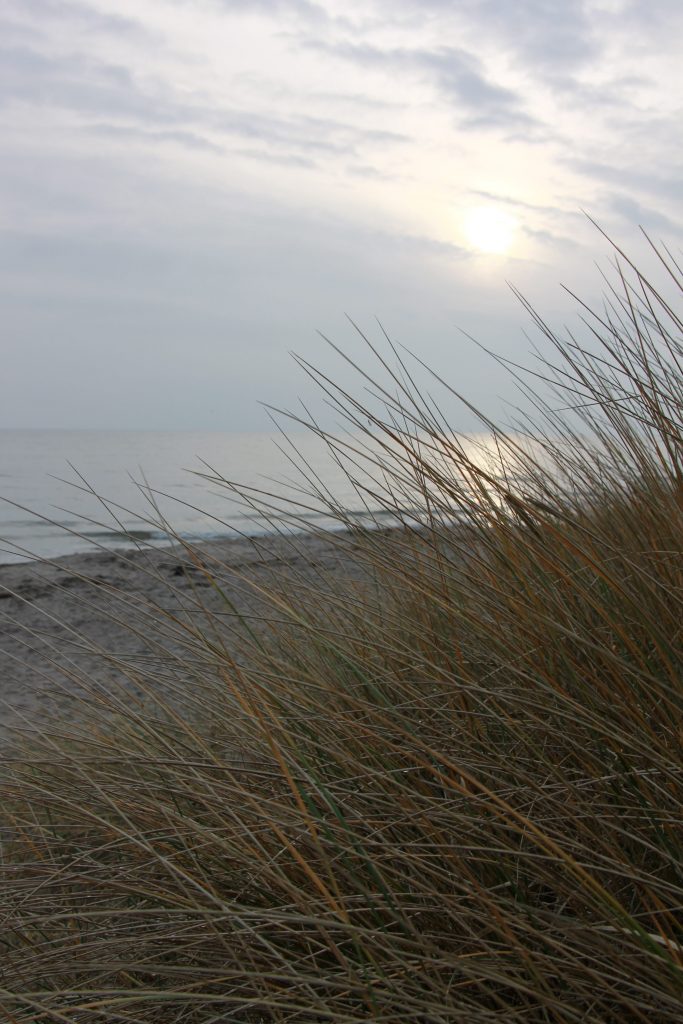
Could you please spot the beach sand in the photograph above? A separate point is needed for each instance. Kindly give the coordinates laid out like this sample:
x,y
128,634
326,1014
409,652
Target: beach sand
x,y
94,618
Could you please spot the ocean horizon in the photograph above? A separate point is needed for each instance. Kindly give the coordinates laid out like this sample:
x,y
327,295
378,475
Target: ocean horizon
x,y
69,491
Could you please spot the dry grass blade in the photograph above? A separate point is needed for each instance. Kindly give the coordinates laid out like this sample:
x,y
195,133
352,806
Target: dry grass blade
x,y
445,785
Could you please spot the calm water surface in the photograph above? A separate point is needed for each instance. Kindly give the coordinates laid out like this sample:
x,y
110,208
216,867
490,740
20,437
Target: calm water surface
x,y
47,511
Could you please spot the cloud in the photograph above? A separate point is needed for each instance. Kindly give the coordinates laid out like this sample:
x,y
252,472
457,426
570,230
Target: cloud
x,y
570,48
368,171
68,13
287,14
15,32
541,33
190,140
477,101
647,21
86,87
76,83
305,134
633,212
519,204
283,159
204,182
653,183
273,8
538,33
613,94
461,79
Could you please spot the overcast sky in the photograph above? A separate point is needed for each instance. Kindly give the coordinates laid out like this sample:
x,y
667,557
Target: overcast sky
x,y
190,189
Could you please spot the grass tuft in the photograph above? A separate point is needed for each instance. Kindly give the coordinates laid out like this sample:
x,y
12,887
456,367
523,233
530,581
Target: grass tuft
x,y
444,785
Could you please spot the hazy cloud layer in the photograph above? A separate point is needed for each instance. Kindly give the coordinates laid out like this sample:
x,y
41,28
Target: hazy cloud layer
x,y
458,76
190,188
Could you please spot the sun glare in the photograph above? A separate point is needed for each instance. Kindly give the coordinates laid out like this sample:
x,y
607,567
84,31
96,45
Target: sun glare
x,y
489,229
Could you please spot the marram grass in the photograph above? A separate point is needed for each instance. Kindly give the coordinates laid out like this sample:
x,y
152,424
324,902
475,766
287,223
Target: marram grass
x,y
444,787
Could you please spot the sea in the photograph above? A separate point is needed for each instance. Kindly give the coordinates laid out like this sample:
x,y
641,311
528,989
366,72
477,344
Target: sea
x,y
64,491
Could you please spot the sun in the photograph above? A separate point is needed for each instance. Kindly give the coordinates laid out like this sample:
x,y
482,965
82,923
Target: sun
x,y
490,229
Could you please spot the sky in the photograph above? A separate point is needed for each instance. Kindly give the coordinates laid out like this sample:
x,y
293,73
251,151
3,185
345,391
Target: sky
x,y
191,190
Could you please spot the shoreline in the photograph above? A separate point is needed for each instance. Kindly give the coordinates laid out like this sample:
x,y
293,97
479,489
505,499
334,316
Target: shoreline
x,y
123,543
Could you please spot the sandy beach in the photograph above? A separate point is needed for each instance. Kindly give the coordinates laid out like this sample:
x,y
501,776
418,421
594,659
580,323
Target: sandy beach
x,y
94,617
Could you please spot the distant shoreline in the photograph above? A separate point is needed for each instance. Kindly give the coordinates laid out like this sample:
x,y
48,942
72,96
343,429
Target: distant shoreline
x,y
122,543
65,494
